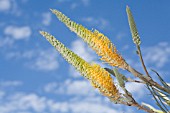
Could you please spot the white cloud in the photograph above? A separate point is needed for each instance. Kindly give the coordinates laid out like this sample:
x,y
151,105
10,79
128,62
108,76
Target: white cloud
x,y
99,22
5,85
27,103
71,88
82,107
20,102
120,35
90,103
17,54
74,5
44,60
90,98
85,2
138,90
5,5
73,72
2,94
6,42
157,55
46,18
10,6
18,32
9,83
80,48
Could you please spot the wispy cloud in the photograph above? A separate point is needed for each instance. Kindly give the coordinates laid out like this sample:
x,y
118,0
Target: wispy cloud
x,y
44,60
2,94
46,18
6,42
86,2
83,107
5,5
10,6
157,55
99,22
91,98
77,2
5,84
80,48
18,32
33,102
70,87
138,90
73,72
20,102
120,35
74,5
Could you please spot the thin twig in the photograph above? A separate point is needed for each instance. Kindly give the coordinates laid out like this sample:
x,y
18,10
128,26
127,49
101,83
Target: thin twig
x,y
124,77
130,101
146,79
144,108
132,80
141,59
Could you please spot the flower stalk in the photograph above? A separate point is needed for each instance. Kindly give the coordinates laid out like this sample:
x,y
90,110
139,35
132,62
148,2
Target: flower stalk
x,y
99,77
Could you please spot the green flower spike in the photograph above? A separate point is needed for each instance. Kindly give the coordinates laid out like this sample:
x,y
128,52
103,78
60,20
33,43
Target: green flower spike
x,y
134,31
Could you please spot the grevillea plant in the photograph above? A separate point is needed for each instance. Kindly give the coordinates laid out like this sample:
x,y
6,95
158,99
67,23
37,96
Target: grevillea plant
x,y
101,78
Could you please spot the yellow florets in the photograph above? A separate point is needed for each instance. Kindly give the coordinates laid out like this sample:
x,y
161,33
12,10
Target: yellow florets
x,y
98,76
96,40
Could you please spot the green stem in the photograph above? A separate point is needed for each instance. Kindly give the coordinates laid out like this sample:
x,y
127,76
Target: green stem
x,y
141,59
146,79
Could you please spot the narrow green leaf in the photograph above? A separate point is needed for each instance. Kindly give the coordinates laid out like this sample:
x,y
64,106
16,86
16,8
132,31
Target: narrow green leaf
x,y
152,108
119,78
161,79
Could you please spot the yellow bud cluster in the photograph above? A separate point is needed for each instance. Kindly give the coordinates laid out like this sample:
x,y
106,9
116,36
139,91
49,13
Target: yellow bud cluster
x,y
96,40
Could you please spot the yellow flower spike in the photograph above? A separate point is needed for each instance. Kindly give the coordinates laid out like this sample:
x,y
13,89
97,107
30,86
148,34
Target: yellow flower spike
x,y
98,76
96,40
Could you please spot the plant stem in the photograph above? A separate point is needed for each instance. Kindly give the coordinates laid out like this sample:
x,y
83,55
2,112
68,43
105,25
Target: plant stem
x,y
135,104
143,108
146,79
141,59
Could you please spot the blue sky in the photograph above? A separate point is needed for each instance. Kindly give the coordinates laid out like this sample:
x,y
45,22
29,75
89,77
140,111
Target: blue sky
x,y
34,78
